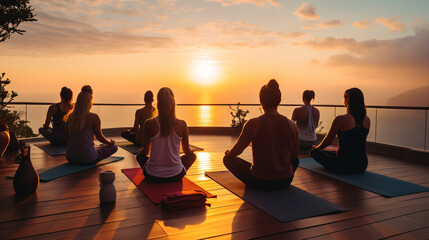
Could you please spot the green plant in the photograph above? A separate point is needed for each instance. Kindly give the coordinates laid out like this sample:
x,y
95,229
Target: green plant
x,y
319,127
11,119
238,116
12,13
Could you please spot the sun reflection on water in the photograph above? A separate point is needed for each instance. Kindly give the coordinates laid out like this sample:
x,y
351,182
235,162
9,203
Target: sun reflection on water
x,y
205,113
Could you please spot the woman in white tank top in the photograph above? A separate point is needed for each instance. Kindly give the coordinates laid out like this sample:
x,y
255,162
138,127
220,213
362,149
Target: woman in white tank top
x,y
306,118
163,135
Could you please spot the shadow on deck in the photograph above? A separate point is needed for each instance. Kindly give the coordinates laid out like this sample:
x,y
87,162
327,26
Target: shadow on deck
x,y
69,207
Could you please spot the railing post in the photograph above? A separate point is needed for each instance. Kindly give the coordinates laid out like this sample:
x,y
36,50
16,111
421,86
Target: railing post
x,y
426,130
26,111
375,130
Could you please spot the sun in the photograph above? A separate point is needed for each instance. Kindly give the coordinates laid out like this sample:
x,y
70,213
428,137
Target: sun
x,y
205,72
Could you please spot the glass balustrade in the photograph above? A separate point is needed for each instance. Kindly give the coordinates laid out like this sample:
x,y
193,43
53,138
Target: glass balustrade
x,y
400,126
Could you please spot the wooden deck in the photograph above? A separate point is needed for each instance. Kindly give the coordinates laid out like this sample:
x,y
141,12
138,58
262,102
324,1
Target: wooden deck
x,y
69,208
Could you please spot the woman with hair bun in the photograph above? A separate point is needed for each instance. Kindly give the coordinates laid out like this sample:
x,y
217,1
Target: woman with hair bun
x,y
57,113
82,126
163,136
275,146
352,129
306,118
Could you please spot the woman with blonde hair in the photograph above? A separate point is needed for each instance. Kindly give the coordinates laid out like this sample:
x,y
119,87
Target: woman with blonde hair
x,y
163,136
81,128
275,146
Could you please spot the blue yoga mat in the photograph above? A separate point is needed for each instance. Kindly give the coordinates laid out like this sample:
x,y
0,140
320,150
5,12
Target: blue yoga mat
x,y
69,168
373,182
284,205
51,149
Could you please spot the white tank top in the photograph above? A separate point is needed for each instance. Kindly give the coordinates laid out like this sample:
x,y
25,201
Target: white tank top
x,y
307,133
164,159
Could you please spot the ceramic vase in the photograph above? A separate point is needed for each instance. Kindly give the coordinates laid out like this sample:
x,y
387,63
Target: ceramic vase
x,y
26,179
107,188
4,141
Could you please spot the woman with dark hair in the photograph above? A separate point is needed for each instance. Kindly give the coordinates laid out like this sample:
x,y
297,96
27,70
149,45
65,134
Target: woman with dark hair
x,y
275,146
352,129
82,126
163,135
135,134
306,118
57,113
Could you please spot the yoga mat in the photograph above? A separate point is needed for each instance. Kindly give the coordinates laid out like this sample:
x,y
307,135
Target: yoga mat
x,y
284,205
52,149
69,168
154,191
134,149
373,182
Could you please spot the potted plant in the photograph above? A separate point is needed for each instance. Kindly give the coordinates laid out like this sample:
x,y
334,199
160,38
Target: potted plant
x,y
5,134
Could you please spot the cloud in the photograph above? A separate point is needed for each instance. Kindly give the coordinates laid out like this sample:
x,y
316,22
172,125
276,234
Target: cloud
x,y
411,52
345,44
259,3
230,35
362,24
329,24
306,12
391,23
53,35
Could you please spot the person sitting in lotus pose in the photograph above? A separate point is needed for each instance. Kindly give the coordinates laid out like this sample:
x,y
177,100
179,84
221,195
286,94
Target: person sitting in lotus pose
x,y
352,129
135,134
57,113
163,135
81,128
275,146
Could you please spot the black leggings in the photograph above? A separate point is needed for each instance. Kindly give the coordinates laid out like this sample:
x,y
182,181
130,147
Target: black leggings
x,y
335,164
241,170
130,137
187,161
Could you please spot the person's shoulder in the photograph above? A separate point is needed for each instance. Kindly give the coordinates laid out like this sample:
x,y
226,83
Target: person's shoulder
x,y
92,116
139,111
53,106
315,108
298,109
181,122
252,121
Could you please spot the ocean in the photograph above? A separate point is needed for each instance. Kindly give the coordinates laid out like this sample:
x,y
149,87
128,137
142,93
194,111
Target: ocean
x,y
408,128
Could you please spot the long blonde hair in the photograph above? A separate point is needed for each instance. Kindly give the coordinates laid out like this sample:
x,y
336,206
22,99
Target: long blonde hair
x,y
166,111
76,120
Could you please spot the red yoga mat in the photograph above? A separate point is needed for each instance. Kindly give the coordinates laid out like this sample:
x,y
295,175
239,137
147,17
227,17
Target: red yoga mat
x,y
154,191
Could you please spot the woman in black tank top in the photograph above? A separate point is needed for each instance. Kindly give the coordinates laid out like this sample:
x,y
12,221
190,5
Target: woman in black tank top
x,y
57,113
352,129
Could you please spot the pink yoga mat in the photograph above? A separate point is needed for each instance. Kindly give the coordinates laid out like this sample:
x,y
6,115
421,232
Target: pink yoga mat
x,y
154,191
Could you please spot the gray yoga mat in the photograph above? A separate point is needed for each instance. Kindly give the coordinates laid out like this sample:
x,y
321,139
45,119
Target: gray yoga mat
x,y
373,182
69,168
284,205
52,149
134,149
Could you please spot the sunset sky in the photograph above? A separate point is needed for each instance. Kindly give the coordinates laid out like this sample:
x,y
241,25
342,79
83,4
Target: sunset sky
x,y
220,51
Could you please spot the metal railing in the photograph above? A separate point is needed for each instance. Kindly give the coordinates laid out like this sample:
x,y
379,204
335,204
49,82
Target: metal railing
x,y
393,125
